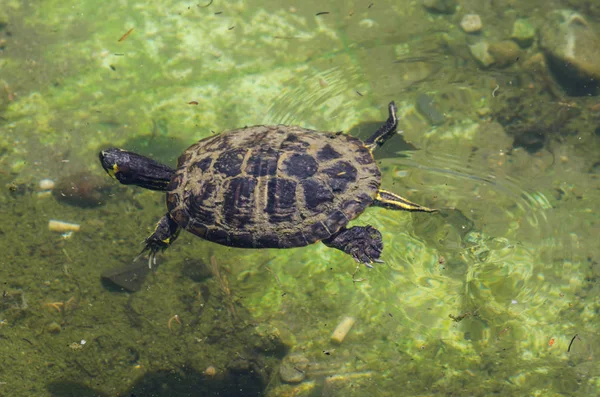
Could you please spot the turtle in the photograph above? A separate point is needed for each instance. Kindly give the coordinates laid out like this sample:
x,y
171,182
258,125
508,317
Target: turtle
x,y
268,186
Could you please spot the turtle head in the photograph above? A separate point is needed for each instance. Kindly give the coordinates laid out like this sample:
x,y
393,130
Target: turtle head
x,y
134,169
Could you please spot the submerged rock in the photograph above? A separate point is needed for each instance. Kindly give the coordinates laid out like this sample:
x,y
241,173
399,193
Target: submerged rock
x,y
82,190
293,368
504,52
572,46
427,107
471,23
523,32
440,6
480,51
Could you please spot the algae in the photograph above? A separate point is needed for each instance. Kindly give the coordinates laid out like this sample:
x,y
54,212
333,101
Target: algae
x,y
518,263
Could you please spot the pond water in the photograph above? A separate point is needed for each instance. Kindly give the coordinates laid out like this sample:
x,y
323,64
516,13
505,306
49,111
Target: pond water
x,y
497,293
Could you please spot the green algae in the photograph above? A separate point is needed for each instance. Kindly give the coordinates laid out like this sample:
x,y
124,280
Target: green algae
x,y
523,273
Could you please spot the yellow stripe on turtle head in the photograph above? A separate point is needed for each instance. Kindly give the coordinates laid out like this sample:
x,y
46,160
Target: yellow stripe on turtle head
x,y
113,172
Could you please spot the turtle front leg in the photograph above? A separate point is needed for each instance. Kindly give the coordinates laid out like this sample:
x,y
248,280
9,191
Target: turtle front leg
x,y
362,242
164,235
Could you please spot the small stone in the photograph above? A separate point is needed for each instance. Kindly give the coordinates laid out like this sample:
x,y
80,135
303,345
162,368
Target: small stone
x,y
471,23
75,346
480,52
484,112
523,32
267,340
46,184
293,368
505,52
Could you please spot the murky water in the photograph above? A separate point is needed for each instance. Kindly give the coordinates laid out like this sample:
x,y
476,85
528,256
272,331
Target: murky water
x,y
495,294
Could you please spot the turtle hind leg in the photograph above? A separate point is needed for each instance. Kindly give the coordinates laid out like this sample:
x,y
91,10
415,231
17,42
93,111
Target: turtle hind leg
x,y
386,130
393,201
164,235
362,242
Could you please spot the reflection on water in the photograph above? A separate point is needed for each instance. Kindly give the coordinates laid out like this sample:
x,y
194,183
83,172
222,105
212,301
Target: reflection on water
x,y
497,293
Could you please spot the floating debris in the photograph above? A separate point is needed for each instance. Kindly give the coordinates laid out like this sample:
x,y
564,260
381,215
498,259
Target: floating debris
x,y
60,226
571,343
340,332
461,317
125,35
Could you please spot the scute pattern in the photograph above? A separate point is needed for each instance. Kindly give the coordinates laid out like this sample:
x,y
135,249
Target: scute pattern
x,y
272,186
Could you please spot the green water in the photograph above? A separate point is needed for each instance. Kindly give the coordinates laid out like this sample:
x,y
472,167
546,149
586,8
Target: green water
x,y
482,299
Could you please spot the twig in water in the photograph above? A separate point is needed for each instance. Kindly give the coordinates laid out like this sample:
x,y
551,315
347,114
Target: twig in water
x,y
572,340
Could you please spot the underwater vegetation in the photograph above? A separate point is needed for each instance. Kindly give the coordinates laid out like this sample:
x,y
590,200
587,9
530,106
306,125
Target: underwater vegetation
x,y
498,117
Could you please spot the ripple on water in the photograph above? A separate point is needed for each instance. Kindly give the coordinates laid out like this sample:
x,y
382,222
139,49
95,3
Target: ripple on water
x,y
327,94
503,268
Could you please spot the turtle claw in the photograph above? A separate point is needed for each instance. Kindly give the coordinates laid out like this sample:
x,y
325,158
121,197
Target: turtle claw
x,y
152,251
165,233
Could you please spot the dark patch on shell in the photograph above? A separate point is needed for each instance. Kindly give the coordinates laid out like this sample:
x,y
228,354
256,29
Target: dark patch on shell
x,y
219,236
184,159
281,199
203,165
238,203
316,194
301,165
207,191
335,221
293,143
242,240
262,162
340,175
294,240
175,183
364,156
197,228
327,153
229,163
319,231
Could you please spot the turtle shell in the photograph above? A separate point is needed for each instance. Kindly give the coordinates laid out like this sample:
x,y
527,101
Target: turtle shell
x,y
272,186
